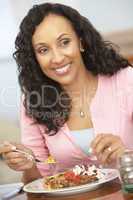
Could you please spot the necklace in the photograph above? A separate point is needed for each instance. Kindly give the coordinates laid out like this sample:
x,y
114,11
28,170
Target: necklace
x,y
82,114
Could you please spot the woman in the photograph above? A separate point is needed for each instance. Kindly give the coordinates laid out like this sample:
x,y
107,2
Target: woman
x,y
77,93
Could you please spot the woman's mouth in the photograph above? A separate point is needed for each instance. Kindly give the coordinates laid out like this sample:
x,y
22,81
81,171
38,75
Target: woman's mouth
x,y
63,70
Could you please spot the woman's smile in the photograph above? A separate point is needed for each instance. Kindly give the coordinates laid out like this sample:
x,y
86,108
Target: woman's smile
x,y
63,70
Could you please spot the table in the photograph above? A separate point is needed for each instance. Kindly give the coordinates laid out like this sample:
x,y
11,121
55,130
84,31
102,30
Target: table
x,y
108,191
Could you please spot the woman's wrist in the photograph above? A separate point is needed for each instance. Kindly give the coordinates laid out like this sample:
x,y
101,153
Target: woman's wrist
x,y
31,174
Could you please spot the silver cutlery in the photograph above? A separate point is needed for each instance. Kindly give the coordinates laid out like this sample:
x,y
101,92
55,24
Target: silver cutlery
x,y
91,154
49,160
31,157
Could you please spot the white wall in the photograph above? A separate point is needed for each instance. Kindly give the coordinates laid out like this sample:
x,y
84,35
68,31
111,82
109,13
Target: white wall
x,y
9,91
106,16
7,30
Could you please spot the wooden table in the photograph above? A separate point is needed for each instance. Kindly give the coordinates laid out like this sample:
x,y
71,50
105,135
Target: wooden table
x,y
108,191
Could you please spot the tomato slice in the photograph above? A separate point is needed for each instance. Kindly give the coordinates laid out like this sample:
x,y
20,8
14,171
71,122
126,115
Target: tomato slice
x,y
70,176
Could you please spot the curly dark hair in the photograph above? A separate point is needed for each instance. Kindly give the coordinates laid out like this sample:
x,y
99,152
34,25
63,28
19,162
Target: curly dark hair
x,y
99,57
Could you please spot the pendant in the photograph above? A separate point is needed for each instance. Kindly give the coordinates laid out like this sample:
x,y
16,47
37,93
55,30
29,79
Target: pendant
x,y
82,114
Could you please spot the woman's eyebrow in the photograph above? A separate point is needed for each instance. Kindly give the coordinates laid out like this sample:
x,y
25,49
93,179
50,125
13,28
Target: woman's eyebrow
x,y
40,44
61,35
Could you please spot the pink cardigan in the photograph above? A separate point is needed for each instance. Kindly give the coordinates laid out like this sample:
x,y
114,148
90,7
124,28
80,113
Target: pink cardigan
x,y
111,112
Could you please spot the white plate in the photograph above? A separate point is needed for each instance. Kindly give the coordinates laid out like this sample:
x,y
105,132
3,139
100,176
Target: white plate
x,y
37,185
9,190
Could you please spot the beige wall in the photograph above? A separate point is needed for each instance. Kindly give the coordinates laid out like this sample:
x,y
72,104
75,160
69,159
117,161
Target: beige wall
x,y
8,132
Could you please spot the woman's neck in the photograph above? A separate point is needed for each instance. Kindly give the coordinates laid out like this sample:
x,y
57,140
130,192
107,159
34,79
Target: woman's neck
x,y
86,81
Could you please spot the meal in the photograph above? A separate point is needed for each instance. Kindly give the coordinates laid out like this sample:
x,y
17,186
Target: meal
x,y
79,175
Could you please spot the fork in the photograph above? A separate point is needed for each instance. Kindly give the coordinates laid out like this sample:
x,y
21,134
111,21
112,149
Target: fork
x,y
91,154
31,157
93,157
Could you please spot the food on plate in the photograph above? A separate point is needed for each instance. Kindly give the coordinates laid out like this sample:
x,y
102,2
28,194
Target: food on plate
x,y
79,175
50,159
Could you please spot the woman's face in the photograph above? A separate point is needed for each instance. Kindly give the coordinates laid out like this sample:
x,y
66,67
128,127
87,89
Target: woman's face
x,y
57,49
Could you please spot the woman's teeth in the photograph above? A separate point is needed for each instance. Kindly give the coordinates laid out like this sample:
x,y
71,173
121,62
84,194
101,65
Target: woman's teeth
x,y
63,70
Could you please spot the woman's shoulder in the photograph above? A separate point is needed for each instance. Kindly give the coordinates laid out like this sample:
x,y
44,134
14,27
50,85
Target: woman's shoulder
x,y
126,74
120,81
124,78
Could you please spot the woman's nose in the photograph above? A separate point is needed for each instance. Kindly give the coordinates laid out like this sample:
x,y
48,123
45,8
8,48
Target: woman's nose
x,y
57,57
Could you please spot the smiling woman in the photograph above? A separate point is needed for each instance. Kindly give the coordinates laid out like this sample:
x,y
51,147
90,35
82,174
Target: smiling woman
x,y
58,50
71,80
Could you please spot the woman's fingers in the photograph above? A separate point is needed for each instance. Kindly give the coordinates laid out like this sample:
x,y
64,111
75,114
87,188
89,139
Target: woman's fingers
x,y
11,154
6,148
19,166
16,161
103,141
19,161
107,147
99,143
107,153
14,156
96,140
116,154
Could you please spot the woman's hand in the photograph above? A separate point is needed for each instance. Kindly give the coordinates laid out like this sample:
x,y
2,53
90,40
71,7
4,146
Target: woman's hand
x,y
16,160
107,147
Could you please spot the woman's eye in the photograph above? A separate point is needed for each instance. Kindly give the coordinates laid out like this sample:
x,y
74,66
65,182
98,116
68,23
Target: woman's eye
x,y
42,50
65,42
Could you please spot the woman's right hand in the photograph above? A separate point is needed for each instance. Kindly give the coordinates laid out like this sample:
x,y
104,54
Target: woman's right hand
x,y
16,160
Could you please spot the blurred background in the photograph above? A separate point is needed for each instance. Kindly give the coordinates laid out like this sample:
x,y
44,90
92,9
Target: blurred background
x,y
114,20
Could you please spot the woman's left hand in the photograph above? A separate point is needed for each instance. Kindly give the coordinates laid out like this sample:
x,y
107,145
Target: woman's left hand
x,y
107,147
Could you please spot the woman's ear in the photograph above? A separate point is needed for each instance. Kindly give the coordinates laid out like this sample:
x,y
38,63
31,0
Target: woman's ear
x,y
81,46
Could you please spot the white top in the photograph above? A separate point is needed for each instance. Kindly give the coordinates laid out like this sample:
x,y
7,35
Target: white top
x,y
83,138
